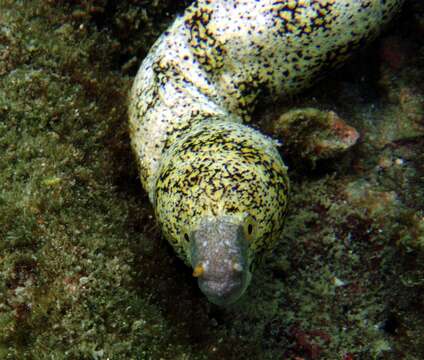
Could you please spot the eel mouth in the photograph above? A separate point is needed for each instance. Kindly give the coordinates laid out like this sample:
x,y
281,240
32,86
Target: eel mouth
x,y
223,292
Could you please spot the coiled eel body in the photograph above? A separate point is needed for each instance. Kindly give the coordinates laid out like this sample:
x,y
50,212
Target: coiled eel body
x,y
219,188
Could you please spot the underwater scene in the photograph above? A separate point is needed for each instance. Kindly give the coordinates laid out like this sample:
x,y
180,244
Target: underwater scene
x,y
249,186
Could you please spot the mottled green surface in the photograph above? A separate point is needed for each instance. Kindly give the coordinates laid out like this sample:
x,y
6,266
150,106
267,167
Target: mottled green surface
x,y
84,273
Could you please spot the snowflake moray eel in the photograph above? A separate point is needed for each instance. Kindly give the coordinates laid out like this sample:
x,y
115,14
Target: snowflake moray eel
x,y
218,187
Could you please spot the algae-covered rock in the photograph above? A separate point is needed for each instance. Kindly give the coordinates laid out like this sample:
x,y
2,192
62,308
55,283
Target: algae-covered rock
x,y
311,134
69,248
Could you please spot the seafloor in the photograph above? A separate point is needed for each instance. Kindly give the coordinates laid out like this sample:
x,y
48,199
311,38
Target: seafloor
x,y
84,272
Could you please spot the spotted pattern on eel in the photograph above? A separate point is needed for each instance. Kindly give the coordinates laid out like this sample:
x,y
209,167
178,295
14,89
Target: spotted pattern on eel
x,y
219,188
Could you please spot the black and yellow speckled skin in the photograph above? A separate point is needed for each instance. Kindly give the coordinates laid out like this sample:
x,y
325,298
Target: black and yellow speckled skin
x,y
203,77
221,168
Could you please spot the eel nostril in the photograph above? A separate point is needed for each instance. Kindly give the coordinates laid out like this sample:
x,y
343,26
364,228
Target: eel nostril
x,y
237,267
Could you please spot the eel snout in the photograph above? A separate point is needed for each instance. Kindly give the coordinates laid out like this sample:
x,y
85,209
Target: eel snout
x,y
219,259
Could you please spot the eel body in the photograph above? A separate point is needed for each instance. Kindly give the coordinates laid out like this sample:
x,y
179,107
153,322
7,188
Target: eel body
x,y
219,188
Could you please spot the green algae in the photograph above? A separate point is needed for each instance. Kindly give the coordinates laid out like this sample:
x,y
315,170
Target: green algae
x,y
67,270
84,272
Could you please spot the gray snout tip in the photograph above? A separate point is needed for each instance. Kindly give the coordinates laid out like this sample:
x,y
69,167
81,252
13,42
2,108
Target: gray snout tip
x,y
223,292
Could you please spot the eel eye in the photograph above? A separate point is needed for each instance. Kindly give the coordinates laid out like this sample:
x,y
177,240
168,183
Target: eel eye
x,y
249,226
249,230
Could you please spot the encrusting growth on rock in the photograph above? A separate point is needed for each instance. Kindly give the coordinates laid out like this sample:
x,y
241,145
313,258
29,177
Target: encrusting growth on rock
x,y
311,134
